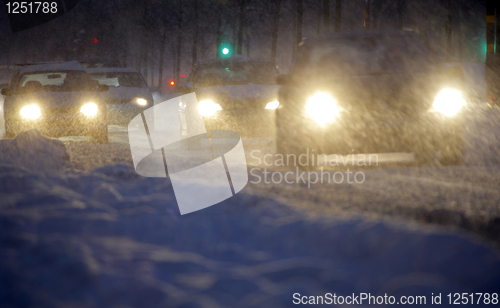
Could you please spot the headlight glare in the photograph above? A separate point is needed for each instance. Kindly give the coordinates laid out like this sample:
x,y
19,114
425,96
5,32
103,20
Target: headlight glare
x,y
142,101
89,109
272,105
207,108
448,102
323,108
31,112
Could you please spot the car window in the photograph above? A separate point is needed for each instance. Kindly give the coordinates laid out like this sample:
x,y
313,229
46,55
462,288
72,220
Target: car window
x,y
215,74
55,81
369,55
132,80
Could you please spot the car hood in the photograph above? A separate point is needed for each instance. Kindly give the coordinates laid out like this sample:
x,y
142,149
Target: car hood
x,y
126,93
58,99
240,92
399,90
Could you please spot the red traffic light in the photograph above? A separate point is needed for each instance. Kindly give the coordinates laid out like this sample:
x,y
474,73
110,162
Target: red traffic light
x,y
172,83
95,41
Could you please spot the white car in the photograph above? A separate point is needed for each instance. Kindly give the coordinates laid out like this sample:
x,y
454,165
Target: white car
x,y
236,93
58,99
128,93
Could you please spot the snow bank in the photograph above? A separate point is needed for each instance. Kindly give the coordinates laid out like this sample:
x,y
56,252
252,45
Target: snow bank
x,y
33,151
110,238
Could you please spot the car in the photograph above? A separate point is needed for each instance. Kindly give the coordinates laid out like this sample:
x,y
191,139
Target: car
x,y
57,98
235,93
370,92
6,73
128,93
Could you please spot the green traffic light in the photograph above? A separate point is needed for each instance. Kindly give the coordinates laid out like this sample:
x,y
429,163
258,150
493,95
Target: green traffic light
x,y
225,51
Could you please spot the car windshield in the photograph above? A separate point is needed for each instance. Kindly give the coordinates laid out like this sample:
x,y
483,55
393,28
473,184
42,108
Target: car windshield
x,y
114,79
369,56
55,81
238,73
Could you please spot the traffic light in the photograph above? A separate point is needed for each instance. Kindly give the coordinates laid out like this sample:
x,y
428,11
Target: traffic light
x,y
172,83
225,49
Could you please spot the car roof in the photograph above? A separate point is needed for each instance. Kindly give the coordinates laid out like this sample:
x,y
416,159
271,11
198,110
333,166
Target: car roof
x,y
103,58
111,70
234,59
357,34
99,60
50,66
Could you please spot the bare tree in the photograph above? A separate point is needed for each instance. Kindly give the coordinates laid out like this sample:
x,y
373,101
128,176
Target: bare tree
x,y
247,42
326,15
241,25
300,12
178,44
338,15
196,17
449,28
145,63
275,28
219,32
178,55
400,6
376,9
367,7
160,64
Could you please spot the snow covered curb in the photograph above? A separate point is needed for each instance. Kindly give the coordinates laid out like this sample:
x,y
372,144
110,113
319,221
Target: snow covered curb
x,y
111,238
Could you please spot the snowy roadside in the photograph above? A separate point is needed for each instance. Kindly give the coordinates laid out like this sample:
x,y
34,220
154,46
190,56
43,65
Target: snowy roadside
x,y
111,238
464,197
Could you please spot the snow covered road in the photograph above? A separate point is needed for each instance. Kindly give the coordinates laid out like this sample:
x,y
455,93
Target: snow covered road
x,y
110,238
95,234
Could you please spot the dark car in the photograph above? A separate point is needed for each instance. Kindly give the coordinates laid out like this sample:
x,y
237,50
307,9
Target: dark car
x,y
128,93
369,92
236,93
58,99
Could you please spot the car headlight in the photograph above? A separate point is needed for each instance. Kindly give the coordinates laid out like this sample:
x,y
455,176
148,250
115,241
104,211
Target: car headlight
x,y
448,102
31,112
272,105
89,109
142,101
323,108
208,108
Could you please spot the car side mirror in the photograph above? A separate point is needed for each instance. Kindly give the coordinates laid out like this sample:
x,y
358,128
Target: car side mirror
x,y
6,92
103,88
284,79
184,90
